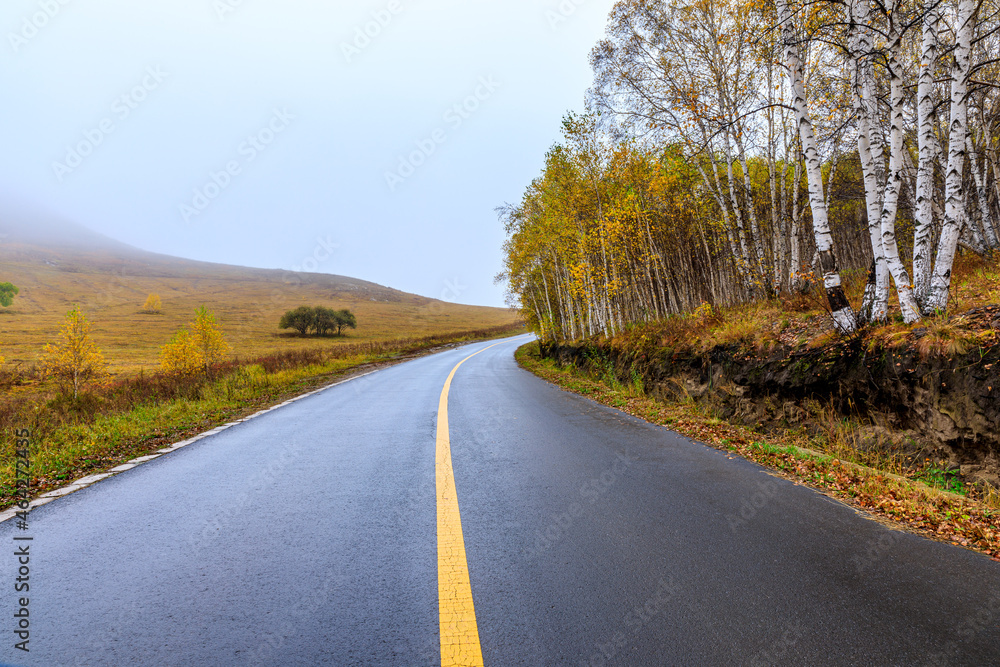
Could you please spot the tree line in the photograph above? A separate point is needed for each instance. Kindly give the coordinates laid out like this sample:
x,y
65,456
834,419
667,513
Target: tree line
x,y
733,150
320,320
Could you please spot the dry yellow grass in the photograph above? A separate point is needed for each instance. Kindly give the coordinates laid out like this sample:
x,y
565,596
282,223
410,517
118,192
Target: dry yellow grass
x,y
111,287
801,320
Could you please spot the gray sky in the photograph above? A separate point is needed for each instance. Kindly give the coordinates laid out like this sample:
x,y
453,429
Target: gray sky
x,y
259,132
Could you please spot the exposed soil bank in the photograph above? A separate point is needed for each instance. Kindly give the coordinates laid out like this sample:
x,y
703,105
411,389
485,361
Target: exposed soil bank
x,y
913,405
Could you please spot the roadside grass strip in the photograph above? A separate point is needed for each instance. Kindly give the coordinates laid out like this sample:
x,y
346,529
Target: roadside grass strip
x,y
84,482
67,457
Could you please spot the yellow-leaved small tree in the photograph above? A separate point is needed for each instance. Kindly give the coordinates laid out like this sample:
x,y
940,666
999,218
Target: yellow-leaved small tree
x,y
74,361
208,338
196,350
153,304
180,356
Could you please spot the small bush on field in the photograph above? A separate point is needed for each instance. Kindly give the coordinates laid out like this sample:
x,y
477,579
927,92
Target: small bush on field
x,y
7,293
153,305
196,349
180,356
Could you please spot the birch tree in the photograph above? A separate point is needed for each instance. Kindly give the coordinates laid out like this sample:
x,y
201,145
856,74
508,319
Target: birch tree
x,y
840,308
927,144
74,360
890,200
684,182
954,208
875,303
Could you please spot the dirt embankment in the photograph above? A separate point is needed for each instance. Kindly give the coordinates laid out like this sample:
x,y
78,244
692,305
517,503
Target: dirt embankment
x,y
909,403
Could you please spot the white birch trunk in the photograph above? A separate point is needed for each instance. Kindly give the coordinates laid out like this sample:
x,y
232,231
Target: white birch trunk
x,y
907,304
751,261
726,224
548,301
759,255
995,162
743,254
986,216
875,304
927,151
782,234
795,250
843,315
777,238
954,208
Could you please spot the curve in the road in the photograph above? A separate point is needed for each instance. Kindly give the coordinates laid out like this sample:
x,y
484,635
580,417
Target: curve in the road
x,y
307,536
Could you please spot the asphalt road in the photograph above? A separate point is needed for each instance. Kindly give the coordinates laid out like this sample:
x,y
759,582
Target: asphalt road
x,y
307,536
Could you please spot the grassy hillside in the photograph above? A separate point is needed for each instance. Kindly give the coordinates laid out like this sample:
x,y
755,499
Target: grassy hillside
x,y
62,265
56,265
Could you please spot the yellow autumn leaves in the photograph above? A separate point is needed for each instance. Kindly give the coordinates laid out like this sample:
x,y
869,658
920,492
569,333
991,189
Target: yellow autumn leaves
x,y
74,361
195,349
153,305
604,235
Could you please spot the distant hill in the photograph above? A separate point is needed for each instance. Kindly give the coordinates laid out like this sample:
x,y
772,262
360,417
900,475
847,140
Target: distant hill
x,y
58,264
30,238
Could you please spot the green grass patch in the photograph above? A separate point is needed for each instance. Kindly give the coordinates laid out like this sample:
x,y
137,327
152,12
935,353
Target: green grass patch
x,y
948,480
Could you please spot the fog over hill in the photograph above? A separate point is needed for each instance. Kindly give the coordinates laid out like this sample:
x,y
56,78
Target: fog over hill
x,y
33,237
22,225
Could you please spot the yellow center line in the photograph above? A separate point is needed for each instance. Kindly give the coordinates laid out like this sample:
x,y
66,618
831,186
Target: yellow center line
x,y
459,632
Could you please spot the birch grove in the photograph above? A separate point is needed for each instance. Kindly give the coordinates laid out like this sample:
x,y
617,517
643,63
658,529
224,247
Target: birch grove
x,y
735,150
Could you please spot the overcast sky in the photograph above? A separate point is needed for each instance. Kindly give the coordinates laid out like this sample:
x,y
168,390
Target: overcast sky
x,y
260,132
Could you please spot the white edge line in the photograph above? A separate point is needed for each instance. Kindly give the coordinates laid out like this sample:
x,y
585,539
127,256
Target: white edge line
x,y
94,478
